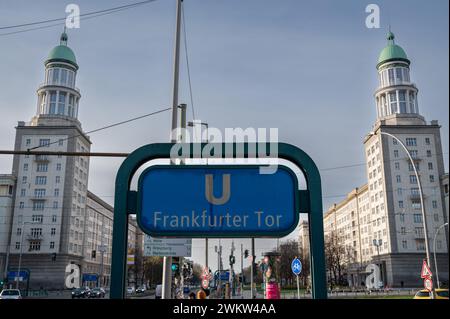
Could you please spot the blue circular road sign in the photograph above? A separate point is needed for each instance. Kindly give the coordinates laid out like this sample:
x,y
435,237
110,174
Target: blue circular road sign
x,y
296,266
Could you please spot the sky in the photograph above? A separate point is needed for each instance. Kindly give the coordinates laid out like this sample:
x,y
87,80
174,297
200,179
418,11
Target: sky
x,y
304,67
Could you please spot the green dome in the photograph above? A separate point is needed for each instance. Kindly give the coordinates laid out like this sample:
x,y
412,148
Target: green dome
x,y
62,53
392,51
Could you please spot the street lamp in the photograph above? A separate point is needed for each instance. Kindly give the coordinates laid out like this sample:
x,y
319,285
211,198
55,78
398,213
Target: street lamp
x,y
422,204
434,250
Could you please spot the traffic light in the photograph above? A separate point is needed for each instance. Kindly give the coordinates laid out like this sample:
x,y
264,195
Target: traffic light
x,y
232,260
175,265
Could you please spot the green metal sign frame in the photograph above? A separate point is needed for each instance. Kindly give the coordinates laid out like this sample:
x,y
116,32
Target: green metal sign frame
x,y
125,203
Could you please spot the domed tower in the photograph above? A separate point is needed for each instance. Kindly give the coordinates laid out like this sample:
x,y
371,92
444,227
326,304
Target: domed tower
x,y
50,200
396,96
58,97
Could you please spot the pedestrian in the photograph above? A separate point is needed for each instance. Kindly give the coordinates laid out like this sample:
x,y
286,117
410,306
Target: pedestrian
x,y
201,294
192,295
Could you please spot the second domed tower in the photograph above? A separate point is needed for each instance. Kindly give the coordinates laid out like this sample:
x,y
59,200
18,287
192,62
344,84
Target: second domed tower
x,y
396,95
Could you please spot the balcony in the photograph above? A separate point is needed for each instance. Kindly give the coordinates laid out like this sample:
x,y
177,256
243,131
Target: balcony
x,y
60,85
33,237
42,158
415,197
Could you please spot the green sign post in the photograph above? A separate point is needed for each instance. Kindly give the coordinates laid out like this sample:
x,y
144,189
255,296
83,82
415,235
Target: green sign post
x,y
126,202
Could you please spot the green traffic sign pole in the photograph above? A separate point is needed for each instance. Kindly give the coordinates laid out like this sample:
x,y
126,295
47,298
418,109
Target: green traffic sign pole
x,y
124,202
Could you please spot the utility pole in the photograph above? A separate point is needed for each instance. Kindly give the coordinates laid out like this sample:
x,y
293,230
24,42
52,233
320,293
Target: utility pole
x,y
167,263
242,271
251,270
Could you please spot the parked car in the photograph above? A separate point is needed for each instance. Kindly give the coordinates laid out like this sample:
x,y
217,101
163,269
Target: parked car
x,y
97,293
158,292
10,294
130,290
425,294
82,292
140,290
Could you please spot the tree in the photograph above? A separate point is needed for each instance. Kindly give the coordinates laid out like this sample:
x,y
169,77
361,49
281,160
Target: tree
x,y
153,269
289,250
338,256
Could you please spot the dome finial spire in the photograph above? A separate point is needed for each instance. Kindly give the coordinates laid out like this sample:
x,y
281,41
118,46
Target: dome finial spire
x,y
64,37
390,36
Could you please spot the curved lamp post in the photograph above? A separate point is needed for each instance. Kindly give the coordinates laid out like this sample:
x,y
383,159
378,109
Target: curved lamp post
x,y
434,250
424,219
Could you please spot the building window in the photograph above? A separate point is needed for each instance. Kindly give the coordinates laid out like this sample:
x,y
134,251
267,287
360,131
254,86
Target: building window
x,y
37,218
39,192
420,244
395,153
17,245
53,232
402,218
431,178
35,246
427,141
21,205
52,103
61,103
38,206
419,231
54,218
414,153
44,142
58,179
22,192
434,204
403,230
436,217
58,167
430,166
19,231
41,180
417,218
415,204
394,141
25,167
428,153
52,245
411,167
56,192
24,180
397,165
55,205
43,167
411,141
399,192
398,178
28,141
413,179
405,244
400,204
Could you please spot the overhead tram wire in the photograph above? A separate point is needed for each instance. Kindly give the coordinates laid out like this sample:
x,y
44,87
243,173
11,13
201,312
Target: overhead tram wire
x,y
123,7
103,128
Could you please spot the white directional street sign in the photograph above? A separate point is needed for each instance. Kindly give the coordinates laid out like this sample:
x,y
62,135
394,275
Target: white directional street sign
x,y
181,247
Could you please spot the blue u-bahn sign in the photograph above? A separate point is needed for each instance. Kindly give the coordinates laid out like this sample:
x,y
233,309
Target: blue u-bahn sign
x,y
217,201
